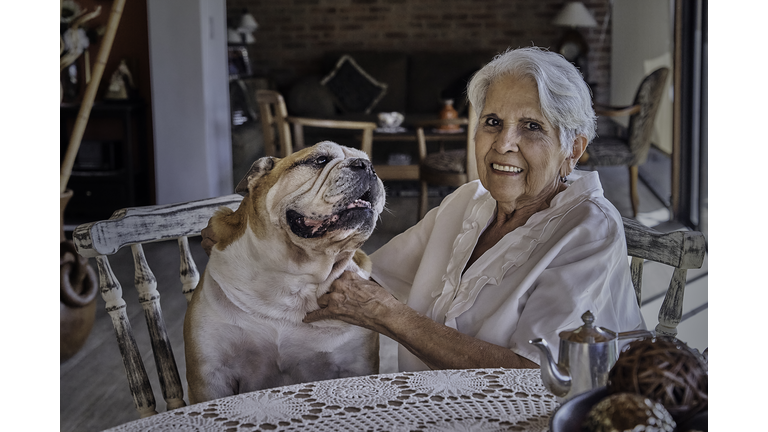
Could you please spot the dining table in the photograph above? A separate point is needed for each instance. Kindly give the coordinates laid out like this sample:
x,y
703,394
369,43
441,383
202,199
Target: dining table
x,y
433,400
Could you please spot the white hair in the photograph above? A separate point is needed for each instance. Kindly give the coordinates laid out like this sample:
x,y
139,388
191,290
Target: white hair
x,y
565,98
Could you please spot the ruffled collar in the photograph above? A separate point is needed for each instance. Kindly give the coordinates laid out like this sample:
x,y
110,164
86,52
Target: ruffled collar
x,y
459,292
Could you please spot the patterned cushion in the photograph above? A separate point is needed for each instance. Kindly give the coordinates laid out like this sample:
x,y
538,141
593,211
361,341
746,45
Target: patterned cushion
x,y
609,151
353,89
447,161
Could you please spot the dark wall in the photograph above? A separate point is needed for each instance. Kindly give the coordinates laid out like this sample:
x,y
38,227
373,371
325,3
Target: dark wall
x,y
294,34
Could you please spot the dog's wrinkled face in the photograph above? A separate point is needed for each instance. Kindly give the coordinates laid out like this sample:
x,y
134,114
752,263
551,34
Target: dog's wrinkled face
x,y
326,192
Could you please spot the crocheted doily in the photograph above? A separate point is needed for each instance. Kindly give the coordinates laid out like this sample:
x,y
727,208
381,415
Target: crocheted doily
x,y
443,400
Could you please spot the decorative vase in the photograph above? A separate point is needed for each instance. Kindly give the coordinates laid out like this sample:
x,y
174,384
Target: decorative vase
x,y
78,288
448,112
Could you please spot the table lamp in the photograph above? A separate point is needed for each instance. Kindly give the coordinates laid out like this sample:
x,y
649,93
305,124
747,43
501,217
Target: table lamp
x,y
243,34
573,46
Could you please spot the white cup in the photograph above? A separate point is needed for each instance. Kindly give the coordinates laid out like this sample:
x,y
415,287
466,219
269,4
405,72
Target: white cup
x,y
390,120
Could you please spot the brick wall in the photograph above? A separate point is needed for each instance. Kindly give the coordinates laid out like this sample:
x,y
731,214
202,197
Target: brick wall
x,y
294,34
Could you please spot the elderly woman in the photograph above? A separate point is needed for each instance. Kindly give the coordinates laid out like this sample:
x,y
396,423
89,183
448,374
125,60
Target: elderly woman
x,y
522,253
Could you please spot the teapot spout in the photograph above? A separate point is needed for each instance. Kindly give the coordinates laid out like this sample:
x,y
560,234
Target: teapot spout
x,y
555,377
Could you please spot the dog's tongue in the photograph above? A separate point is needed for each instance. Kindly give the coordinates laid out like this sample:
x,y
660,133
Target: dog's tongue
x,y
317,224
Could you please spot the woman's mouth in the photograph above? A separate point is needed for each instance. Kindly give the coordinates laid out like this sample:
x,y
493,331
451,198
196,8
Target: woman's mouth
x,y
506,168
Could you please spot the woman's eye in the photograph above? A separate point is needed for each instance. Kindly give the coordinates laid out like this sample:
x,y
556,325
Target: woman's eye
x,y
533,126
490,121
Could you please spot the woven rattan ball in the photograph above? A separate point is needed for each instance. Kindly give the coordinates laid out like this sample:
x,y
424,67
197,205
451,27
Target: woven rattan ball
x,y
665,370
628,412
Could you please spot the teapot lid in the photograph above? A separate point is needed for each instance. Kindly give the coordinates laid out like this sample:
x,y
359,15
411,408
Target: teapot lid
x,y
588,333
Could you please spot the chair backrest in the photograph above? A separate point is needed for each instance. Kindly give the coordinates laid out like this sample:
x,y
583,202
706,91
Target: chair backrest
x,y
682,250
274,124
133,227
648,97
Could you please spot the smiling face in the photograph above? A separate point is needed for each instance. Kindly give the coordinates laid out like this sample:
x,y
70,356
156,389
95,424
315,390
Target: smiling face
x,y
518,150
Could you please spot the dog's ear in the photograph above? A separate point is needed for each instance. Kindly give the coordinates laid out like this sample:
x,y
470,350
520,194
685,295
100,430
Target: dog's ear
x,y
259,168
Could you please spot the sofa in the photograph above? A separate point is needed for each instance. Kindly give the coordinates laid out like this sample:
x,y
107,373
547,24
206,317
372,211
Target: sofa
x,y
357,85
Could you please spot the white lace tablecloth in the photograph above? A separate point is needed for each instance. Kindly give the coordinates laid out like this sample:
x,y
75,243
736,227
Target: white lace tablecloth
x,y
452,400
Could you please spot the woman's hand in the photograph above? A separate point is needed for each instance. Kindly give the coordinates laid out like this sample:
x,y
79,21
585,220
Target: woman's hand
x,y
357,301
365,303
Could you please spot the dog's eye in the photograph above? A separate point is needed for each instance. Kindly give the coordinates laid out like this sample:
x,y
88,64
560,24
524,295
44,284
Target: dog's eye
x,y
322,160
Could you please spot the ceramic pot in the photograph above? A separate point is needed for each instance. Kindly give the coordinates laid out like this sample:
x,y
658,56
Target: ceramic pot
x,y
448,112
78,288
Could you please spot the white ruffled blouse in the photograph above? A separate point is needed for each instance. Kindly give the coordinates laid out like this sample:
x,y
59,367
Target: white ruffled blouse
x,y
535,282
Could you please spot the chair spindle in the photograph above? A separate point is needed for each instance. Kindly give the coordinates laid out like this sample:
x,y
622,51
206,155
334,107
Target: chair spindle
x,y
636,269
672,308
112,293
188,273
149,297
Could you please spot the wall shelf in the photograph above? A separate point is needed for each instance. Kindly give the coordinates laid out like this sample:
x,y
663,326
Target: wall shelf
x,y
109,171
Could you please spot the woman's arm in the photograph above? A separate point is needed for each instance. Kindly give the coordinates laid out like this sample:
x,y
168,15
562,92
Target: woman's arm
x,y
364,303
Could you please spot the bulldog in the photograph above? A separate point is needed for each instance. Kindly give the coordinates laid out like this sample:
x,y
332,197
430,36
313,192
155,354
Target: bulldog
x,y
299,226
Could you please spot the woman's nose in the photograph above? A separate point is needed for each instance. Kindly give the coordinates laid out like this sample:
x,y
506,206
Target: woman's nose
x,y
508,141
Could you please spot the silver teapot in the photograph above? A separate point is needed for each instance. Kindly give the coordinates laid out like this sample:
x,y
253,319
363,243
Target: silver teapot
x,y
586,356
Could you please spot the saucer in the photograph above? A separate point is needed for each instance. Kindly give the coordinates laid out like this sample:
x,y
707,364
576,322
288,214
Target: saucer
x,y
396,129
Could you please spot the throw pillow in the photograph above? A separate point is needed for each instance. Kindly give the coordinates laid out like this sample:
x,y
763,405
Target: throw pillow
x,y
353,89
310,99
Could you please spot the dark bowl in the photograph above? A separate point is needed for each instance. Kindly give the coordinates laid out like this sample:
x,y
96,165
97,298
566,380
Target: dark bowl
x,y
697,423
571,415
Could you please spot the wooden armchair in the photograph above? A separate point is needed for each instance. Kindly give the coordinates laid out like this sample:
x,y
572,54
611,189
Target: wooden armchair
x,y
132,227
447,168
631,148
275,121
682,250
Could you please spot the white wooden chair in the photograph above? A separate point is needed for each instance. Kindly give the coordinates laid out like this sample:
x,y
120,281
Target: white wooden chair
x,y
136,226
682,250
133,227
275,123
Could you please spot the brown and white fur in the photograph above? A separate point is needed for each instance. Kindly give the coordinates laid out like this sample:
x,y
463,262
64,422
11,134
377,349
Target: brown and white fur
x,y
297,229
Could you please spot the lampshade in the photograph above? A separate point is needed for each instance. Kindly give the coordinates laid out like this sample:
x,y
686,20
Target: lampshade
x,y
248,23
574,14
233,36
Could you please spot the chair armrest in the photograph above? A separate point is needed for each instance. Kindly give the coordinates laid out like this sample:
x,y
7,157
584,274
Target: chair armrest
x,y
613,111
333,124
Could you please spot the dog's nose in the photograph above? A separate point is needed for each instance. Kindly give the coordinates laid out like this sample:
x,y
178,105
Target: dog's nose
x,y
360,163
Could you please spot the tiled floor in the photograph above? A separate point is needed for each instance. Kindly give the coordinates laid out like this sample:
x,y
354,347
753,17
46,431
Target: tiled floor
x,y
93,389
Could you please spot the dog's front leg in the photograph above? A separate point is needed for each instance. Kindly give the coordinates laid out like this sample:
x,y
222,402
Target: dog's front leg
x,y
211,383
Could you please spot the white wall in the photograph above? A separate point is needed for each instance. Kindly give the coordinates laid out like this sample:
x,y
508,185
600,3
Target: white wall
x,y
642,41
190,99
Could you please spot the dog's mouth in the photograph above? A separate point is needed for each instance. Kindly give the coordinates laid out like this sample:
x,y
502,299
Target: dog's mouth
x,y
354,214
